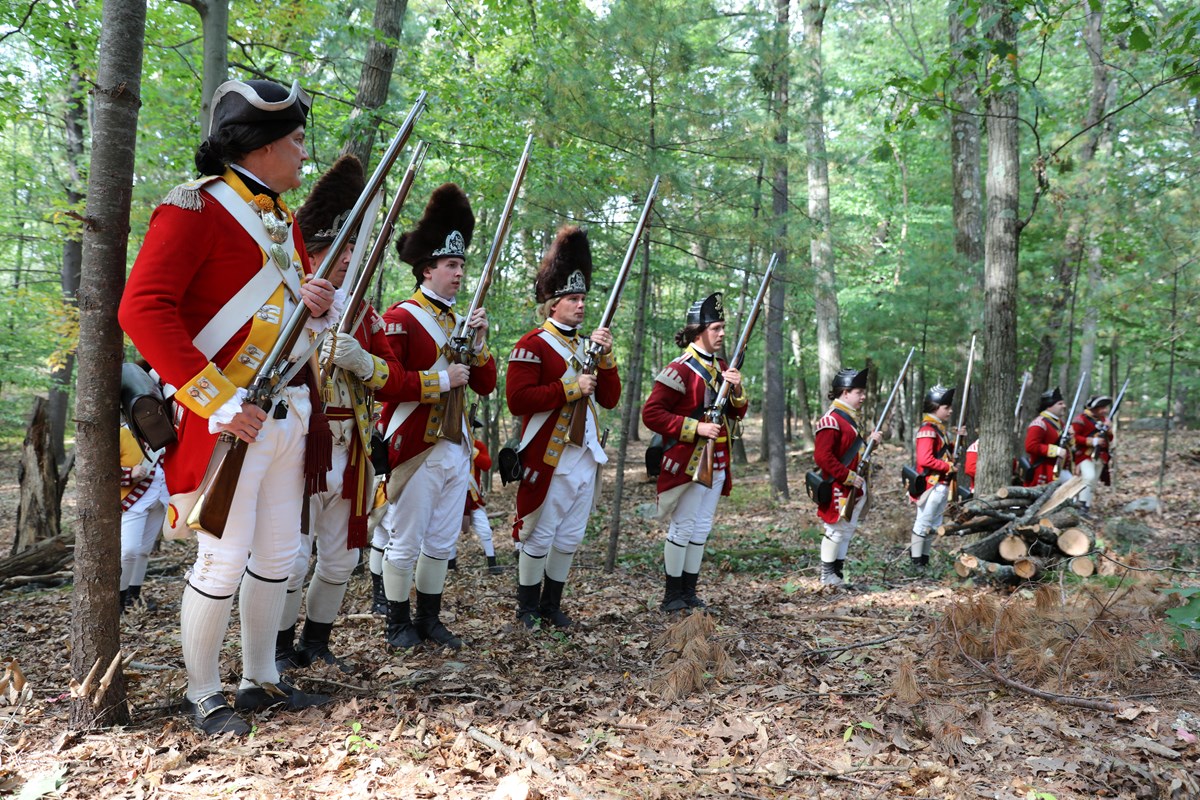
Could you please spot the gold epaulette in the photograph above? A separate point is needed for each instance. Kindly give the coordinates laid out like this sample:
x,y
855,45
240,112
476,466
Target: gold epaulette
x,y
187,195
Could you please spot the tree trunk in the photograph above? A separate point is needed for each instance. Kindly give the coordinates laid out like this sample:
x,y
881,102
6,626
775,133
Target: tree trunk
x,y
1000,262
807,439
95,615
829,337
214,24
965,153
773,399
633,397
38,513
375,77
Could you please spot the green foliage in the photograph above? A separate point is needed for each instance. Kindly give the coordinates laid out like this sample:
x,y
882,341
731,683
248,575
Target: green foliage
x,y
356,742
1187,616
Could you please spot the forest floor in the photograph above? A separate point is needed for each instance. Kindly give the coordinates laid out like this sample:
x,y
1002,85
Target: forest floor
x,y
908,686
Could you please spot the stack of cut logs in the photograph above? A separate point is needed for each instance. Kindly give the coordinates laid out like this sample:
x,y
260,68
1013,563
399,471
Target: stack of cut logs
x,y
1027,533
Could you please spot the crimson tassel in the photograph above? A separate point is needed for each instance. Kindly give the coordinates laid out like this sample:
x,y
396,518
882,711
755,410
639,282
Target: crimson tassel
x,y
318,454
356,535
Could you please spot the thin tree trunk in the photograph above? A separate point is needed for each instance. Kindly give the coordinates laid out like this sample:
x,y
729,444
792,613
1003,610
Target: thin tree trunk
x,y
375,77
807,439
773,405
214,22
1001,247
965,153
1168,409
95,632
629,416
829,336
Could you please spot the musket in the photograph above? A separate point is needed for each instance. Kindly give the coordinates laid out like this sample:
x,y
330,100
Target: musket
x,y
959,451
461,341
225,466
1112,414
591,355
715,411
1110,427
1025,378
864,463
1064,441
355,306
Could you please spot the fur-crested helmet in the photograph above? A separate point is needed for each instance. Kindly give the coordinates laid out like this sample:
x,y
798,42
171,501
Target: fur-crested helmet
x,y
567,266
330,202
444,230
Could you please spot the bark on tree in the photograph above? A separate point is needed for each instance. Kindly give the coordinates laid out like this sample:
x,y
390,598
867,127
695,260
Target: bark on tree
x,y
773,399
807,438
38,510
375,78
95,614
829,336
214,27
965,153
1001,246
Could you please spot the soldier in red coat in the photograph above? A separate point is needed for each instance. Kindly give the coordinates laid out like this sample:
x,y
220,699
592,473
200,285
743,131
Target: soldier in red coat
x,y
971,463
545,381
1092,433
219,273
935,459
839,445
359,368
1042,438
427,489
475,514
675,410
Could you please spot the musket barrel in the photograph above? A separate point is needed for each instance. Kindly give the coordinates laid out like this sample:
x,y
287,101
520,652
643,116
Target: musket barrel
x,y
610,310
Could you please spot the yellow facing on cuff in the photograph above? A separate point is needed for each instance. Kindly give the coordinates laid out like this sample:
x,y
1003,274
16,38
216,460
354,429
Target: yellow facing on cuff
x,y
379,376
206,392
571,390
482,357
607,361
431,388
688,434
739,399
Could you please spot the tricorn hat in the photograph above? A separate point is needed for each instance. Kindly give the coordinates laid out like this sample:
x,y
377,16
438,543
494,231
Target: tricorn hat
x,y
330,201
1099,401
850,379
1049,398
707,311
265,105
567,266
940,396
444,230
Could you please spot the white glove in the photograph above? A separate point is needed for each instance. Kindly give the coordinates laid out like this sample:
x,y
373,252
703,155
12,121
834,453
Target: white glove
x,y
138,473
1096,441
1052,450
350,356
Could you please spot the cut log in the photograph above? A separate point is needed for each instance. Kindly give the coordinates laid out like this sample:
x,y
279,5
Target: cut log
x,y
1028,568
44,557
1012,547
1083,566
973,525
1075,542
1020,492
1062,518
1065,492
965,565
38,509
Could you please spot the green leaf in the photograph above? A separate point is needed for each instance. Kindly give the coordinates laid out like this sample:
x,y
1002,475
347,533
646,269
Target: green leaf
x,y
42,785
1139,39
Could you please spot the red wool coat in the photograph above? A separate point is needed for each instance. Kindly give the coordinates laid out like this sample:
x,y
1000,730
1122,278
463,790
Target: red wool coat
x,y
834,437
1044,431
675,408
416,352
534,384
972,462
932,451
1087,427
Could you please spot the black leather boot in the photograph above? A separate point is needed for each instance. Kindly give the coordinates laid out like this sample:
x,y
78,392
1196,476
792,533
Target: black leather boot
x,y
400,632
135,599
125,601
689,590
528,600
673,595
428,623
379,601
286,656
314,645
550,609
492,567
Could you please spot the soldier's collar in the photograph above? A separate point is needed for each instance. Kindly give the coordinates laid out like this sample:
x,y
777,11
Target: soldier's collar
x,y
851,410
930,418
1049,416
432,299
554,326
708,360
248,187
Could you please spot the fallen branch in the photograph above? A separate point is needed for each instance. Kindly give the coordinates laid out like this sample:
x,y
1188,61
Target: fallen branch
x,y
807,654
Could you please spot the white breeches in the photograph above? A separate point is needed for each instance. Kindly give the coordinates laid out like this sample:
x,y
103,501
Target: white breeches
x,y
479,522
929,516
836,541
262,533
692,518
140,525
328,522
427,516
1090,471
565,512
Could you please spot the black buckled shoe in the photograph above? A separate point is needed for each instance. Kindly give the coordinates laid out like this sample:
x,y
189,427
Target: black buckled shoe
x,y
673,595
270,695
690,579
213,716
400,633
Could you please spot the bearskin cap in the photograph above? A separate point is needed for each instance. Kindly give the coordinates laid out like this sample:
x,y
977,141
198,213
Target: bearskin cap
x,y
566,267
1049,398
444,230
330,201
